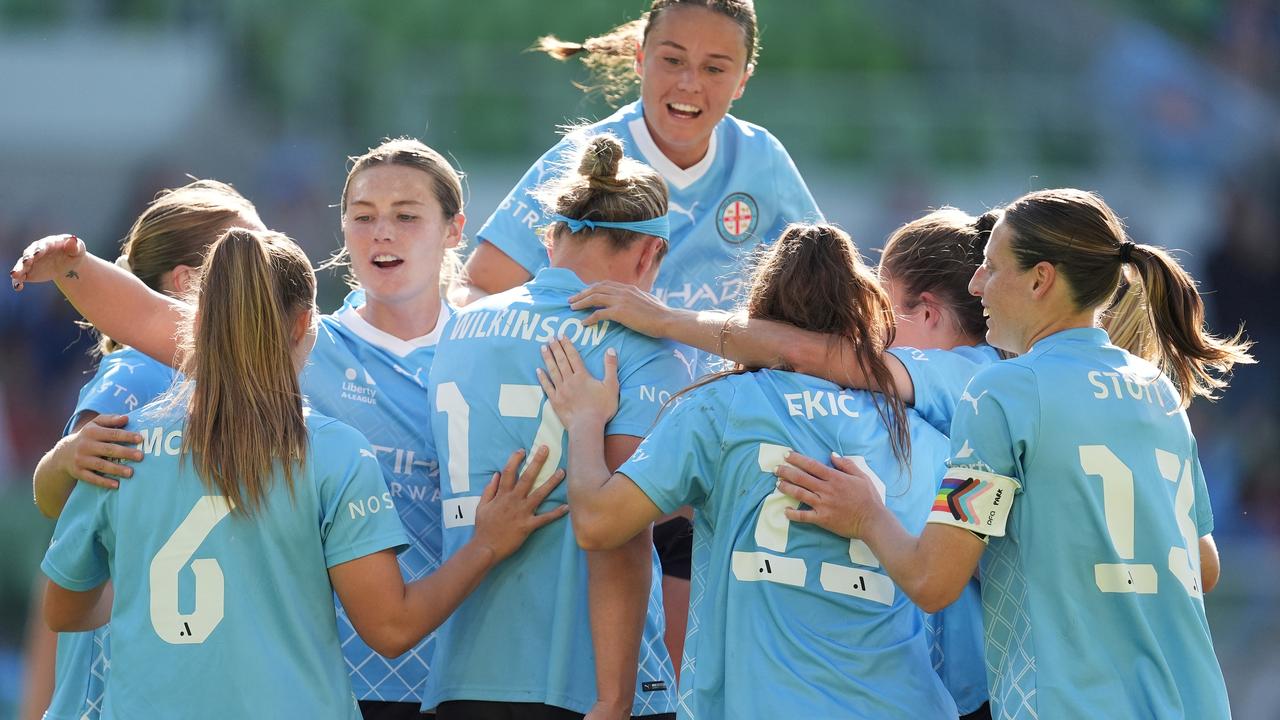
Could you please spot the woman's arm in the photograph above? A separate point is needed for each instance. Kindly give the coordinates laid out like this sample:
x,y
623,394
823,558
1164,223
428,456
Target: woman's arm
x,y
488,271
1210,565
113,300
87,455
931,569
751,342
71,611
393,617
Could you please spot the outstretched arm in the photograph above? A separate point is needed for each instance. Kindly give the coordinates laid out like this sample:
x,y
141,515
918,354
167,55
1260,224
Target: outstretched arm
x,y
932,568
113,300
393,617
751,342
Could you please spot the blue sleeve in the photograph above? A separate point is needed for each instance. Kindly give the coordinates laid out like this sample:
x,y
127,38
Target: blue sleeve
x,y
359,516
646,383
124,382
77,555
514,226
938,377
676,464
996,421
794,201
1203,511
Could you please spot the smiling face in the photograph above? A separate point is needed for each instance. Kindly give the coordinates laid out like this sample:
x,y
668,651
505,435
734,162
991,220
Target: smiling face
x,y
1007,292
397,234
692,66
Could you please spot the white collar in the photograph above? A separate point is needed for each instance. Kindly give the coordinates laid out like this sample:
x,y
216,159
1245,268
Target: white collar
x,y
385,340
677,176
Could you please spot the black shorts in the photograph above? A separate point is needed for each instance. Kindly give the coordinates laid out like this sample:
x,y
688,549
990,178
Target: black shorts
x,y
674,541
379,710
488,710
982,713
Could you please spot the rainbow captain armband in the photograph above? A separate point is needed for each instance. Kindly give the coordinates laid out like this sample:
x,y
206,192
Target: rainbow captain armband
x,y
974,500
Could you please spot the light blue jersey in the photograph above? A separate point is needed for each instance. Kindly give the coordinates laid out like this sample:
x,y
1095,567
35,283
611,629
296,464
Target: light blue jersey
x,y
377,383
743,193
939,378
219,615
1092,596
790,620
126,380
524,634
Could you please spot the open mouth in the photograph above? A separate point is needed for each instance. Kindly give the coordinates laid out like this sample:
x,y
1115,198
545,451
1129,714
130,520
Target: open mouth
x,y
385,261
683,111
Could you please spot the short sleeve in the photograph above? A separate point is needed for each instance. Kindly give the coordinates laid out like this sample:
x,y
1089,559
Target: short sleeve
x,y
359,515
513,226
655,374
995,419
795,202
676,464
1204,510
77,555
124,382
938,378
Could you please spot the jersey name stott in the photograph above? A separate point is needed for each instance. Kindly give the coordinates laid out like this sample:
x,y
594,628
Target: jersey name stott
x,y
1121,386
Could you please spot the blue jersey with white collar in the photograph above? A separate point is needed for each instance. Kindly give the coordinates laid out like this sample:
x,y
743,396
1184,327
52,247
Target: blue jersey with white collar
x,y
376,383
939,378
742,193
1092,596
524,634
125,381
785,619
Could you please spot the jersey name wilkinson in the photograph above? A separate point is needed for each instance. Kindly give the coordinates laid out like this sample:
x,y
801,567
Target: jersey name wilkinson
x,y
530,326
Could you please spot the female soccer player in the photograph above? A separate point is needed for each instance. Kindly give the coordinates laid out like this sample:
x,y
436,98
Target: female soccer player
x,y
1074,479
536,639
792,622
238,473
164,248
732,184
401,219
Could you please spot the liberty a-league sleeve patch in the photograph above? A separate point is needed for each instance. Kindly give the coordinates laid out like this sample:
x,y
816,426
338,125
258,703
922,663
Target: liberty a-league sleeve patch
x,y
975,500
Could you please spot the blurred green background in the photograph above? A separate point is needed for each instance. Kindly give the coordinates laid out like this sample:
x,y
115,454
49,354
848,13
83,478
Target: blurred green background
x,y
1171,109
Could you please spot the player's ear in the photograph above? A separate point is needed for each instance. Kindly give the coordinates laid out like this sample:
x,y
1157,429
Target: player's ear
x,y
639,64
742,84
1044,278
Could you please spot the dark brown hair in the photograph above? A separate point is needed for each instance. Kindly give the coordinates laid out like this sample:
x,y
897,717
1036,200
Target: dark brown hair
x,y
813,278
938,254
245,410
1083,238
605,186
610,57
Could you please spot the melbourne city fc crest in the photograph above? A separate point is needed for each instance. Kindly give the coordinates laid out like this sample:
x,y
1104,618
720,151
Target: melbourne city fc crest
x,y
737,218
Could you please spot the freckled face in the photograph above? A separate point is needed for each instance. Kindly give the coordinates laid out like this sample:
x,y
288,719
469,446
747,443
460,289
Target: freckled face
x,y
396,233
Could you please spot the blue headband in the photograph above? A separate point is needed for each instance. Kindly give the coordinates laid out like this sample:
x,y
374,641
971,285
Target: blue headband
x,y
657,227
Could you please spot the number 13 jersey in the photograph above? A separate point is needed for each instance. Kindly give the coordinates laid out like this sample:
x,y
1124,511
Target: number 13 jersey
x,y
1092,599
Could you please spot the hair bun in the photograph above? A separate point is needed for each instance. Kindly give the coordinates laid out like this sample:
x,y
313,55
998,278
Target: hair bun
x,y
600,161
122,262
986,221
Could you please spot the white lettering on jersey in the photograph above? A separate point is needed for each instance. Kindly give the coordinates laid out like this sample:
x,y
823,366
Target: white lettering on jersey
x,y
819,403
371,505
155,441
1121,386
653,393
531,327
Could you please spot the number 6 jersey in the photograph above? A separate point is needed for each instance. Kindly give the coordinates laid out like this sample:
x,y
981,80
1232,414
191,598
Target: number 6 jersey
x,y
788,620
1092,597
219,615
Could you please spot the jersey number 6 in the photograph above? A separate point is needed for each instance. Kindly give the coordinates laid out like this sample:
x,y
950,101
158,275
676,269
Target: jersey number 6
x,y
191,628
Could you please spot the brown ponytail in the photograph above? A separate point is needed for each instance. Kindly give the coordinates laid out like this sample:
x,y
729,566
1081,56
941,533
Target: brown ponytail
x,y
1084,239
610,57
245,411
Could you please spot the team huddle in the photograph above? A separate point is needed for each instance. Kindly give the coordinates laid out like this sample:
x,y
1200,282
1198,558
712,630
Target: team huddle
x,y
665,446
